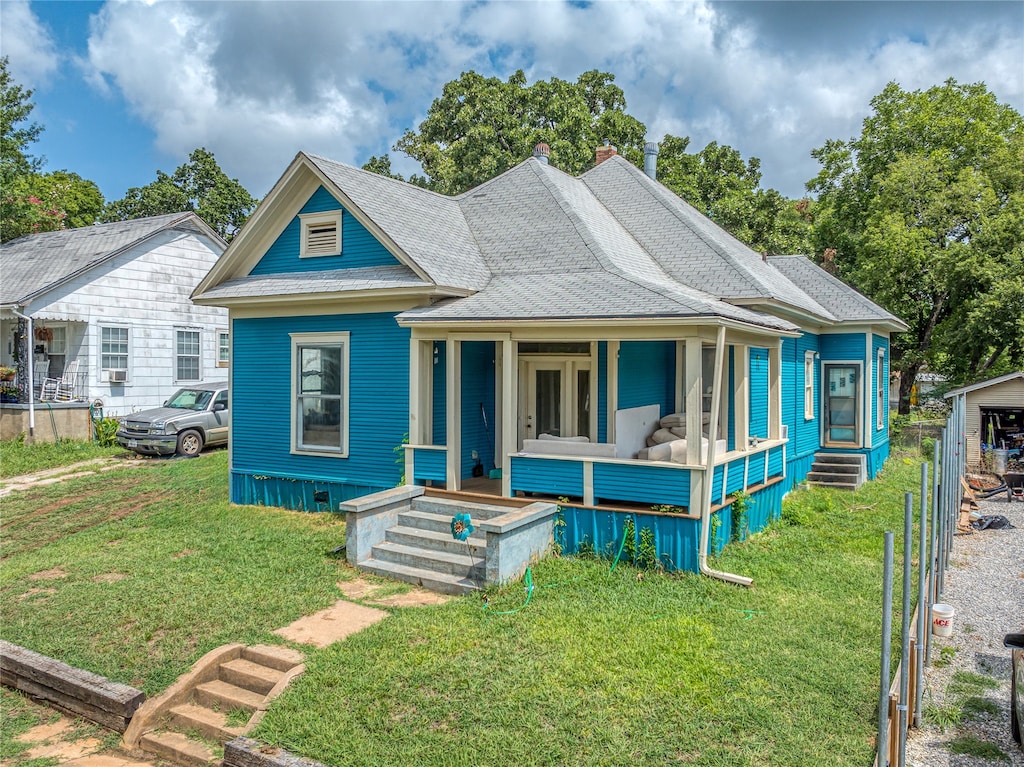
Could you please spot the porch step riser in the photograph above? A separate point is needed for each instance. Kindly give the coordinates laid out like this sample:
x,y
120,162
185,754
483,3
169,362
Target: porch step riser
x,y
853,460
430,540
224,696
209,723
433,561
425,520
178,749
428,579
836,468
250,676
448,508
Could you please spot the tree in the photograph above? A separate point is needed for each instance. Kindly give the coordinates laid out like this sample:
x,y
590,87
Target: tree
x,y
16,135
924,211
198,185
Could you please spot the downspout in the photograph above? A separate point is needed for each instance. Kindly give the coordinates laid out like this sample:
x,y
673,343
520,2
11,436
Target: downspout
x,y
30,366
709,473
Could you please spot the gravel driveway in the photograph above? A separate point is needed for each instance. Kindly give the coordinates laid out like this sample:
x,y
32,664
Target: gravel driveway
x,y
985,586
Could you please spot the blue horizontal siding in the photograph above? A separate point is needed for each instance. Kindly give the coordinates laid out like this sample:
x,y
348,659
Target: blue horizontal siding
x,y
547,475
439,415
735,482
359,248
775,465
842,346
602,391
647,373
640,483
804,434
477,394
876,459
755,469
716,483
430,464
378,403
759,393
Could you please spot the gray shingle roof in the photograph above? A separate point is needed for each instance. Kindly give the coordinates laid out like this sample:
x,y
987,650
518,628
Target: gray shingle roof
x,y
427,226
330,281
845,303
536,243
36,262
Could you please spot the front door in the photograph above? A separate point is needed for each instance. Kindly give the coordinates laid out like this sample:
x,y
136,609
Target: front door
x,y
842,395
554,398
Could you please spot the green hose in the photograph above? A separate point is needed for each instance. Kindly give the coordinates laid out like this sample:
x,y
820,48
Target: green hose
x,y
528,580
621,546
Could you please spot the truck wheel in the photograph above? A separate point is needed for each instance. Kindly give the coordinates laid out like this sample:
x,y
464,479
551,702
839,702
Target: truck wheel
x,y
190,443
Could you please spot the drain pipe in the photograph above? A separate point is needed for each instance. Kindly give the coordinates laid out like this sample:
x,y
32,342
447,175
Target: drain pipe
x,y
709,473
31,384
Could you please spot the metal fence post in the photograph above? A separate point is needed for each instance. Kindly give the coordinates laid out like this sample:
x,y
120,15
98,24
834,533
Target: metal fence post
x,y
908,553
932,541
922,602
883,694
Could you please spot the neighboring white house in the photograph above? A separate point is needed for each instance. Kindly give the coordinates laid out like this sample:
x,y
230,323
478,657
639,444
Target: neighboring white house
x,y
106,308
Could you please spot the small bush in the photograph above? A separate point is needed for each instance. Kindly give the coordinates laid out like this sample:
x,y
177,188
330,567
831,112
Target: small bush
x,y
928,447
106,431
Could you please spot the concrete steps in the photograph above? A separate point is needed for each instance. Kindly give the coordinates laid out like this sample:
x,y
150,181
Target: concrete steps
x,y
841,471
420,549
221,698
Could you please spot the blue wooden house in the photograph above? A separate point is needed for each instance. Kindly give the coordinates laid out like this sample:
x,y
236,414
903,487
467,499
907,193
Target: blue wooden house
x,y
589,341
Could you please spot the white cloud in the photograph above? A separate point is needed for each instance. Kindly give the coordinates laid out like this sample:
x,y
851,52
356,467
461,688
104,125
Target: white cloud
x,y
255,82
29,46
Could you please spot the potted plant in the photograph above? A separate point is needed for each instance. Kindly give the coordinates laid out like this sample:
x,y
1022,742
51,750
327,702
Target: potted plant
x,y
7,373
8,393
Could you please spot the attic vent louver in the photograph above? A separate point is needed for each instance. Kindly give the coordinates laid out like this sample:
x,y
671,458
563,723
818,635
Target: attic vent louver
x,y
321,234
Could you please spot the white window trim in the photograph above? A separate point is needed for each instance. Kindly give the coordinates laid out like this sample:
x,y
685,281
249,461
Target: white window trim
x,y
219,362
881,384
809,385
310,221
104,372
198,356
323,339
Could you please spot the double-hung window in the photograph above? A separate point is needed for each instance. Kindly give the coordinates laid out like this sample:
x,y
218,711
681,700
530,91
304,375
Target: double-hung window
x,y
186,355
808,385
881,382
223,349
320,393
114,348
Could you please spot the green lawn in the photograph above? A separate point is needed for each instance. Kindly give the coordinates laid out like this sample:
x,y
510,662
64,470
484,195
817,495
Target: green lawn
x,y
17,458
600,668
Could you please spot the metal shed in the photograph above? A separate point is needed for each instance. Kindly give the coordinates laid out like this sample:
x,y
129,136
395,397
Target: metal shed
x,y
994,416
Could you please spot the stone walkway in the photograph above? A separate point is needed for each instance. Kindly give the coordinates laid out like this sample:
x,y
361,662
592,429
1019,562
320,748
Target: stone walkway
x,y
57,740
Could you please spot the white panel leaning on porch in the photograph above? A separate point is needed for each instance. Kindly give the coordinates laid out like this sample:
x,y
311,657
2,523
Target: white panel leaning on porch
x,y
632,428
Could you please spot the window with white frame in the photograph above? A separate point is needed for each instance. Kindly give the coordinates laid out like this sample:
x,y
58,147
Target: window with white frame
x,y
186,355
880,383
320,234
320,393
114,348
58,343
223,349
808,385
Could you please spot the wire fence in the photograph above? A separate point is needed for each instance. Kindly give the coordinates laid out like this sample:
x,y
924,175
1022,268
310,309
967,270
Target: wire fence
x,y
939,514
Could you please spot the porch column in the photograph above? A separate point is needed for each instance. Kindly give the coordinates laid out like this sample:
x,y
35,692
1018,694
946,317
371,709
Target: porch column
x,y
420,387
741,395
613,388
509,408
453,369
693,389
775,391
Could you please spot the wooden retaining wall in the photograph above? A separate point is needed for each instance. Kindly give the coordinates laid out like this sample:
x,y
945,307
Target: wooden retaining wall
x,y
72,690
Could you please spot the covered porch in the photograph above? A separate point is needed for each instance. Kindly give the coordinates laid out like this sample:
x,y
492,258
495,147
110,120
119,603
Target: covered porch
x,y
572,413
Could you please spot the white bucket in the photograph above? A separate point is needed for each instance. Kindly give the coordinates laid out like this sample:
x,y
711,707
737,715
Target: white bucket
x,y
942,619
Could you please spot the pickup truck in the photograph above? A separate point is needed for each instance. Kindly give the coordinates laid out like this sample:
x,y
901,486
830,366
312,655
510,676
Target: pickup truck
x,y
195,417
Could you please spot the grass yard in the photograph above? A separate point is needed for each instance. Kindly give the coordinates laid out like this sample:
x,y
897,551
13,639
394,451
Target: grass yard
x,y
600,668
17,458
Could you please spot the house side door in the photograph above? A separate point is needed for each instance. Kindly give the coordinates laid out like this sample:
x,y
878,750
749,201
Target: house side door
x,y
554,398
841,405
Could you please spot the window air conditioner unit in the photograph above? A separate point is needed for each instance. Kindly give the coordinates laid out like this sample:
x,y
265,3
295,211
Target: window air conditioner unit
x,y
118,376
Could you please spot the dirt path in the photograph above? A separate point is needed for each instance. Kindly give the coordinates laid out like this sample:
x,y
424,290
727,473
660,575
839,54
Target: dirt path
x,y
46,477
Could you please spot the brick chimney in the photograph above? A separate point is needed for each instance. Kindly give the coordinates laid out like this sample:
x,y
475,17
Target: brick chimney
x,y
541,152
606,151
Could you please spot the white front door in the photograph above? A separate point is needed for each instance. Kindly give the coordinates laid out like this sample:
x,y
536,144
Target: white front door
x,y
555,398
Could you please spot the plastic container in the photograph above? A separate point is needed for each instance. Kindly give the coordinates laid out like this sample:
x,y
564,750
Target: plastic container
x,y
942,619
999,459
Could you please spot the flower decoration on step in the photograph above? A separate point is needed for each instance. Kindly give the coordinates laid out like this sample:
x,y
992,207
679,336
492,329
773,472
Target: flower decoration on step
x,y
462,527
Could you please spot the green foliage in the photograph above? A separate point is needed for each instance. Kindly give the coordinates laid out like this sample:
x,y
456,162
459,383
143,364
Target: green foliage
x,y
20,458
106,431
924,212
928,448
740,523
198,185
897,423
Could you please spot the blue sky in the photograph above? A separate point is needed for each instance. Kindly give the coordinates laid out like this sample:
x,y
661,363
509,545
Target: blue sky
x,y
126,88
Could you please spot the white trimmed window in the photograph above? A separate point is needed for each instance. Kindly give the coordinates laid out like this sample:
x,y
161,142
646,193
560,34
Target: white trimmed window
x,y
223,348
320,235
320,393
186,355
59,342
114,348
808,385
880,383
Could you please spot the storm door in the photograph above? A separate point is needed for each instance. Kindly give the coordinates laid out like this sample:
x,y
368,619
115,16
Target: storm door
x,y
841,405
